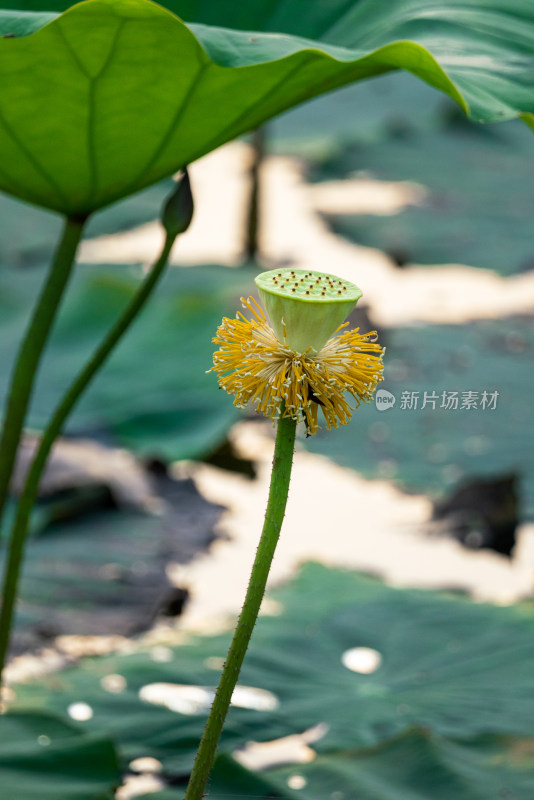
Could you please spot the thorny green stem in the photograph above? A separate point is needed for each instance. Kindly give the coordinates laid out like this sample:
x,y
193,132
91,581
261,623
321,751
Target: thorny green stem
x,y
29,493
31,350
274,515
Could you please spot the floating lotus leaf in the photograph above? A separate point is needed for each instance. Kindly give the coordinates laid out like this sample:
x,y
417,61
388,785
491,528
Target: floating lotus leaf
x,y
431,450
417,766
230,781
451,666
43,756
478,201
413,766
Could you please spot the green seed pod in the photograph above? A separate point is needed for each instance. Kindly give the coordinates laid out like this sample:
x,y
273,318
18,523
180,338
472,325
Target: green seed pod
x,y
178,209
305,307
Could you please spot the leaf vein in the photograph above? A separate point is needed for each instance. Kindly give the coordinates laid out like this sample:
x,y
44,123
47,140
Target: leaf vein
x,y
91,122
225,134
71,50
32,159
175,122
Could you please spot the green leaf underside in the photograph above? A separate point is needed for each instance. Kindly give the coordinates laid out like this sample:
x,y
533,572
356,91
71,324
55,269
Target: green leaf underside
x,y
172,408
143,94
453,667
41,756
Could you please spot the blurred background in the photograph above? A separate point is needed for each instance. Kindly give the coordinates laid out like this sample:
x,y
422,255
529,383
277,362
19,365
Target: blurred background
x,y
153,502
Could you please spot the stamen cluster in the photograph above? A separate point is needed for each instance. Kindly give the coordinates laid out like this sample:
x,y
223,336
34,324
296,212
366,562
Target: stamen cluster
x,y
254,366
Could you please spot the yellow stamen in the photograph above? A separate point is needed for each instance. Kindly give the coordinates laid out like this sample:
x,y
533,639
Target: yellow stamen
x,y
254,366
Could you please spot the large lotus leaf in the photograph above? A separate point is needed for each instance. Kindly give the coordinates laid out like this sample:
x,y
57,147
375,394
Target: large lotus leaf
x,y
172,408
43,757
432,448
479,196
446,663
452,666
28,234
417,766
125,93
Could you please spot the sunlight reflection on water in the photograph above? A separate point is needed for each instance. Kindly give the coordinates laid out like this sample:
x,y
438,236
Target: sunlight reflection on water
x,y
81,712
361,659
187,699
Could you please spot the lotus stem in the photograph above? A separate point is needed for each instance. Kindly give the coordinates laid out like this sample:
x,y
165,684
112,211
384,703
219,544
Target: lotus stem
x,y
31,350
28,497
274,515
176,218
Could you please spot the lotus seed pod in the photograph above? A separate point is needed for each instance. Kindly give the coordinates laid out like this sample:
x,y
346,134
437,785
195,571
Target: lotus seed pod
x,y
178,209
305,307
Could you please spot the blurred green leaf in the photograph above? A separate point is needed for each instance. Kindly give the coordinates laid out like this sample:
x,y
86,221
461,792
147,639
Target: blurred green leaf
x,y
28,234
124,91
116,582
43,757
417,766
154,395
368,111
454,667
230,781
430,450
479,199
414,766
